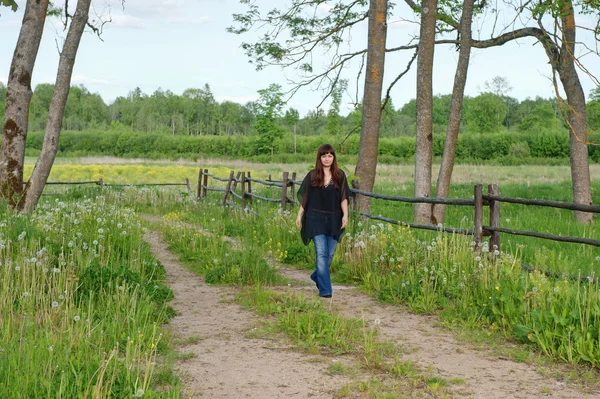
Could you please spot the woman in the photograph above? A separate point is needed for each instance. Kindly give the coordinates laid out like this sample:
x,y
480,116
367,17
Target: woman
x,y
323,213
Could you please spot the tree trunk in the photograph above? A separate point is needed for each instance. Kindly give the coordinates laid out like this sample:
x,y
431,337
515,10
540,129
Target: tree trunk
x,y
41,171
576,114
18,97
369,137
458,92
424,141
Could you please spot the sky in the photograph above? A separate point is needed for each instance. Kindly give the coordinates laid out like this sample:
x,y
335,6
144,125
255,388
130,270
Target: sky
x,y
180,44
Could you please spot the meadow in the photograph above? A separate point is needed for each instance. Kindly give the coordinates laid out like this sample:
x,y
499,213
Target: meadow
x,y
84,305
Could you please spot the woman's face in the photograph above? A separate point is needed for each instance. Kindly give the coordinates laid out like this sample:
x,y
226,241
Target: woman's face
x,y
327,159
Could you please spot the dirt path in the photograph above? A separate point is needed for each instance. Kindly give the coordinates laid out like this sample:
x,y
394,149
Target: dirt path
x,y
430,347
224,363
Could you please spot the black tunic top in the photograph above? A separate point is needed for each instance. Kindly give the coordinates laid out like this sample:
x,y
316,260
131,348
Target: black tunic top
x,y
322,208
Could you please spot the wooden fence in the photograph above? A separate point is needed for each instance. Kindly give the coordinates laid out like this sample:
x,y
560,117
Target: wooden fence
x,y
479,200
101,183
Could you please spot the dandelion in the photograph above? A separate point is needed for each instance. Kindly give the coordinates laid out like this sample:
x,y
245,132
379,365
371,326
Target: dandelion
x,y
429,247
119,225
54,304
597,258
56,270
139,393
100,231
99,220
534,289
507,220
61,297
51,348
477,258
17,268
76,318
377,322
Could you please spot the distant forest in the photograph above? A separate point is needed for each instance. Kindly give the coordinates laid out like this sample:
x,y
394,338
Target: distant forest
x,y
196,112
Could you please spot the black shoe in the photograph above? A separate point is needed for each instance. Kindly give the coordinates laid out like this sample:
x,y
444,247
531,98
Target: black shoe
x,y
325,296
316,282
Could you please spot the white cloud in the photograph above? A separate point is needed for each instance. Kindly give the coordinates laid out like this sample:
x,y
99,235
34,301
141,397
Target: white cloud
x,y
187,20
127,22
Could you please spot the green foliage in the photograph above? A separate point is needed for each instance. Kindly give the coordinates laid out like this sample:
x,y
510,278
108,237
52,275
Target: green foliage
x,y
98,281
269,107
542,143
9,3
485,113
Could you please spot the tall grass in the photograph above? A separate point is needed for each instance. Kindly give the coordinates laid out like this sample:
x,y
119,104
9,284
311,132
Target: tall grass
x,y
81,303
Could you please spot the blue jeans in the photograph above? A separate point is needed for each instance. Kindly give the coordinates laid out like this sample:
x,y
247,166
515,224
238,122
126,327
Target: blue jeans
x,y
324,249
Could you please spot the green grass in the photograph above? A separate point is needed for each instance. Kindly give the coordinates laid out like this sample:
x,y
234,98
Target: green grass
x,y
95,283
82,304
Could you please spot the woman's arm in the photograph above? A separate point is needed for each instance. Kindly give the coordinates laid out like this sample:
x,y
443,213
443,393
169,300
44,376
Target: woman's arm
x,y
344,213
299,218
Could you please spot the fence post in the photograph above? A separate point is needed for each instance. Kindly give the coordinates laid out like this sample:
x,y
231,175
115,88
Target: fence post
x,y
205,184
101,183
494,218
249,188
284,184
478,219
228,187
187,184
200,175
355,196
243,190
293,193
235,182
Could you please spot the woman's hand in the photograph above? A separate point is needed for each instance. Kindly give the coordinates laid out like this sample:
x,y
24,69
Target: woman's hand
x,y
344,221
299,221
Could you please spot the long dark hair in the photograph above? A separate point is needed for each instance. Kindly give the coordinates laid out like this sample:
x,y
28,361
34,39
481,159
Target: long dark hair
x,y
318,177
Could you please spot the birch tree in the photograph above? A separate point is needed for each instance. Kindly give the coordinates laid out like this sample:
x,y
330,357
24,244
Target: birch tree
x,y
35,185
18,98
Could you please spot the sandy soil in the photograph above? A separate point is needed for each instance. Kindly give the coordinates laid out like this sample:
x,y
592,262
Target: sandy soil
x,y
224,362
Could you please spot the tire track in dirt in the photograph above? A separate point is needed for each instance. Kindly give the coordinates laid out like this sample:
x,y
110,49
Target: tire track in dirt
x,y
224,363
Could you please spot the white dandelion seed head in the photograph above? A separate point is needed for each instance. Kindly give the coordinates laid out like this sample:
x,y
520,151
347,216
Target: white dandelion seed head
x,y
54,304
